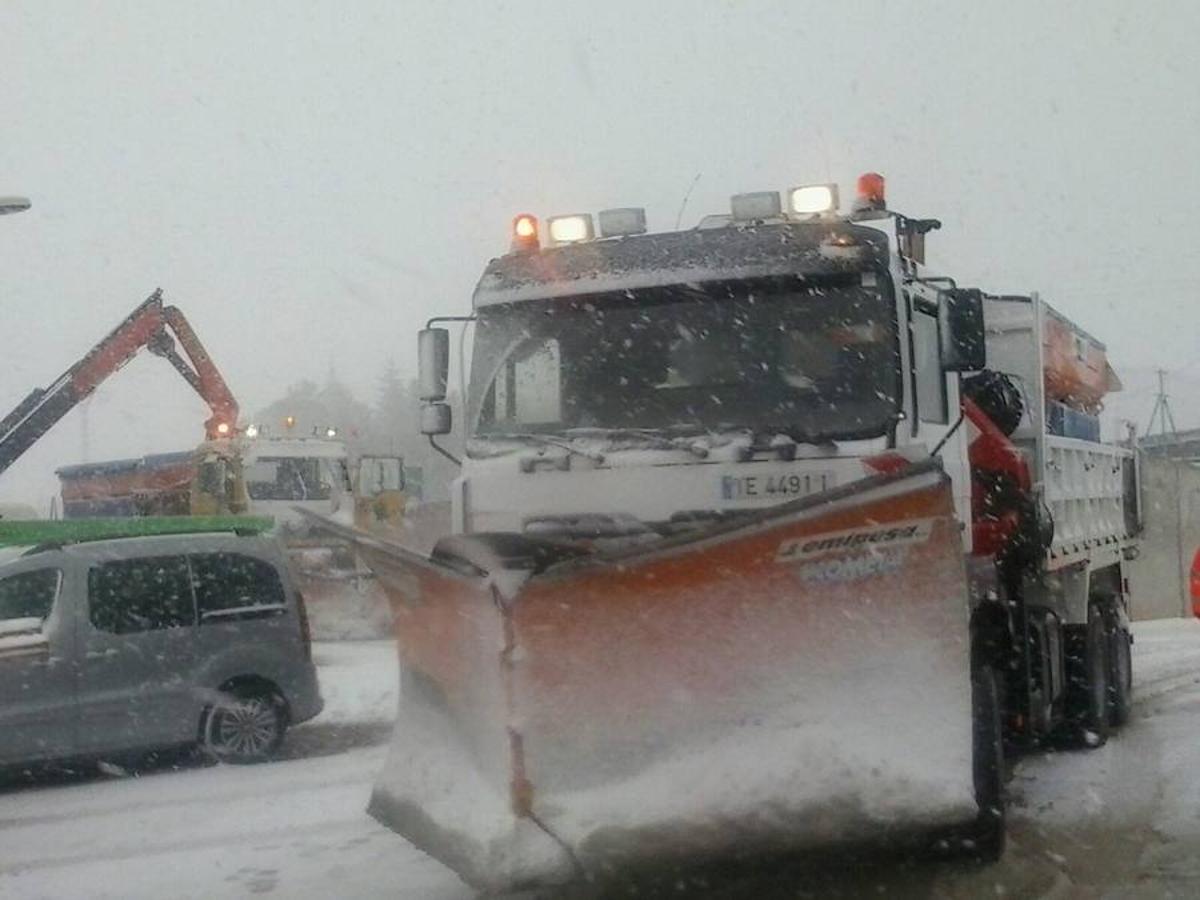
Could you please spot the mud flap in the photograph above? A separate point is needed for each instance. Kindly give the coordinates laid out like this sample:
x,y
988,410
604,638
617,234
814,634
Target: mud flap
x,y
799,679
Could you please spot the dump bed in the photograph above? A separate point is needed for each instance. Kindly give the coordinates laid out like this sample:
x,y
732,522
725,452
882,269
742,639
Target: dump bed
x,y
150,485
1089,487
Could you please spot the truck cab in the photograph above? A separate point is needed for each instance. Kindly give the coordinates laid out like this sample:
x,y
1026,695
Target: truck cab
x,y
628,385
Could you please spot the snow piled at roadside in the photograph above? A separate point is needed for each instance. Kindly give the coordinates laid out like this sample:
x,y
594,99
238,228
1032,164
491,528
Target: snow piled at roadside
x,y
360,681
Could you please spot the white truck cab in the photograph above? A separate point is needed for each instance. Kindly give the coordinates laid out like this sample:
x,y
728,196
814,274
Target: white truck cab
x,y
627,384
283,473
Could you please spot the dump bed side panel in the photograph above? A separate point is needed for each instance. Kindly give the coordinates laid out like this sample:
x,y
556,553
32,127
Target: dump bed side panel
x,y
1084,483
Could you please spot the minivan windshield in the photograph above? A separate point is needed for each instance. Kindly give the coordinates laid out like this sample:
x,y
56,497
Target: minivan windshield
x,y
814,361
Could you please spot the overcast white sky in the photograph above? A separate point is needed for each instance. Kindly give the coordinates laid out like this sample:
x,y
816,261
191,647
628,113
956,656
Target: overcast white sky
x,y
309,181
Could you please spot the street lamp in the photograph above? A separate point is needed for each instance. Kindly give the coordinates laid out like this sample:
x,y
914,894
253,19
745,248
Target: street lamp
x,y
9,205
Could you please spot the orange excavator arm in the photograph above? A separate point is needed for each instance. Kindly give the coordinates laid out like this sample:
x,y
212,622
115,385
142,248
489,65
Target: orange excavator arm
x,y
207,380
151,325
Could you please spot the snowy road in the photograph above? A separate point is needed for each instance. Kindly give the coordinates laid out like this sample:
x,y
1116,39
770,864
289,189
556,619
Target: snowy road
x,y
1121,821
295,828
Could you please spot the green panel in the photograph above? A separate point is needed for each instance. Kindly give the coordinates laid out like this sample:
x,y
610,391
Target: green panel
x,y
23,533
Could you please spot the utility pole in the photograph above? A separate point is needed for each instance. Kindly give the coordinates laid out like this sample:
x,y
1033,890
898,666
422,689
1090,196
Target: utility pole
x,y
1166,431
1162,411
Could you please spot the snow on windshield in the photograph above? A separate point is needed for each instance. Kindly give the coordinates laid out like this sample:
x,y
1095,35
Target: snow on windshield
x,y
815,362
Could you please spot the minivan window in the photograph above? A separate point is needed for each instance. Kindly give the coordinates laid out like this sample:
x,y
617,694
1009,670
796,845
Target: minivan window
x,y
229,584
145,594
29,595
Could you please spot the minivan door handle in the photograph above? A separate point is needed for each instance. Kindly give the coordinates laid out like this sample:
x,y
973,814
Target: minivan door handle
x,y
102,654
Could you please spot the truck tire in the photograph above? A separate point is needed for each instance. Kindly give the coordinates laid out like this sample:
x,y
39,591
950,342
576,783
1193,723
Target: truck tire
x,y
1087,682
1120,679
988,835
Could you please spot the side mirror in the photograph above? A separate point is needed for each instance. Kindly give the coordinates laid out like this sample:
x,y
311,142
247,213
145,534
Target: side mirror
x,y
433,352
435,419
961,330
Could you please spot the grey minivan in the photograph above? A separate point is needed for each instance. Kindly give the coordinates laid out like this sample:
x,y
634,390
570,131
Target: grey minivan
x,y
152,642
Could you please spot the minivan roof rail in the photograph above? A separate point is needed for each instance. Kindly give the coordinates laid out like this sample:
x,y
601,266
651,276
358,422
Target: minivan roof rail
x,y
44,534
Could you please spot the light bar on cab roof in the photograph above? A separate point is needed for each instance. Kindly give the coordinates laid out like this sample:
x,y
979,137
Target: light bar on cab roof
x,y
524,233
759,205
571,229
871,199
620,222
813,199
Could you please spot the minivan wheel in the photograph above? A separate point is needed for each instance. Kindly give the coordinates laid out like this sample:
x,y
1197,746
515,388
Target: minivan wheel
x,y
244,726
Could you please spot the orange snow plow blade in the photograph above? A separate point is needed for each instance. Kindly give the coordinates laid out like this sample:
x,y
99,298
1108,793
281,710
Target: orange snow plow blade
x,y
799,678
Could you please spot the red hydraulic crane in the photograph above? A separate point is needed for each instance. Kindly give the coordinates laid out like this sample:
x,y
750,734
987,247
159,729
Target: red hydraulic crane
x,y
151,325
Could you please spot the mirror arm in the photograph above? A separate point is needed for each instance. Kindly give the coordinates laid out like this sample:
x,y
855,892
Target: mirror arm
x,y
437,319
446,453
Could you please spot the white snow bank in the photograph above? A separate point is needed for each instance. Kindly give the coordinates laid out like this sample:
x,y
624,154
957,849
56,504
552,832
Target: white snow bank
x,y
1148,774
360,681
17,635
24,625
292,829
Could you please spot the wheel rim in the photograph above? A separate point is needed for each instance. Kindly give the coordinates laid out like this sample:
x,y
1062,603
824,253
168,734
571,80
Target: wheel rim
x,y
246,728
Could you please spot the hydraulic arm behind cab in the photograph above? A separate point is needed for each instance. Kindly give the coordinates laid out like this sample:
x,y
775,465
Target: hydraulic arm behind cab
x,y
151,325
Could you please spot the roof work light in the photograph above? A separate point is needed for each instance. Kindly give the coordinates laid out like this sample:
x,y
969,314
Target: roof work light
x,y
813,199
758,205
571,229
620,222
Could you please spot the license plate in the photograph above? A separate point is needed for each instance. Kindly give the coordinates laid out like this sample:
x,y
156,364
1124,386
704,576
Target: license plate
x,y
774,486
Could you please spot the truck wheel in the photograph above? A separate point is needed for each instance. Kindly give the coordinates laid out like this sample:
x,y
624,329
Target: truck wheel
x,y
1088,670
1120,684
988,836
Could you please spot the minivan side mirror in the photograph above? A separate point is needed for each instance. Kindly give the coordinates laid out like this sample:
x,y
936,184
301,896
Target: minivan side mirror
x,y
961,330
433,353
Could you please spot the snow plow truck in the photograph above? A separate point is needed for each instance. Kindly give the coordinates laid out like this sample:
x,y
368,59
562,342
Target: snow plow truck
x,y
766,538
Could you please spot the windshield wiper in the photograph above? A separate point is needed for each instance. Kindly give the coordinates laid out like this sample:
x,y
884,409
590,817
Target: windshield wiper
x,y
543,440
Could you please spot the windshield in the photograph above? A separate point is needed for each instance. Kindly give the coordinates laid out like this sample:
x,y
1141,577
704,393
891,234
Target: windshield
x,y
815,362
290,478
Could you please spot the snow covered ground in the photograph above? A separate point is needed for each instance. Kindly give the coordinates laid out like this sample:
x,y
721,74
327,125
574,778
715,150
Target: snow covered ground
x,y
1120,821
295,828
